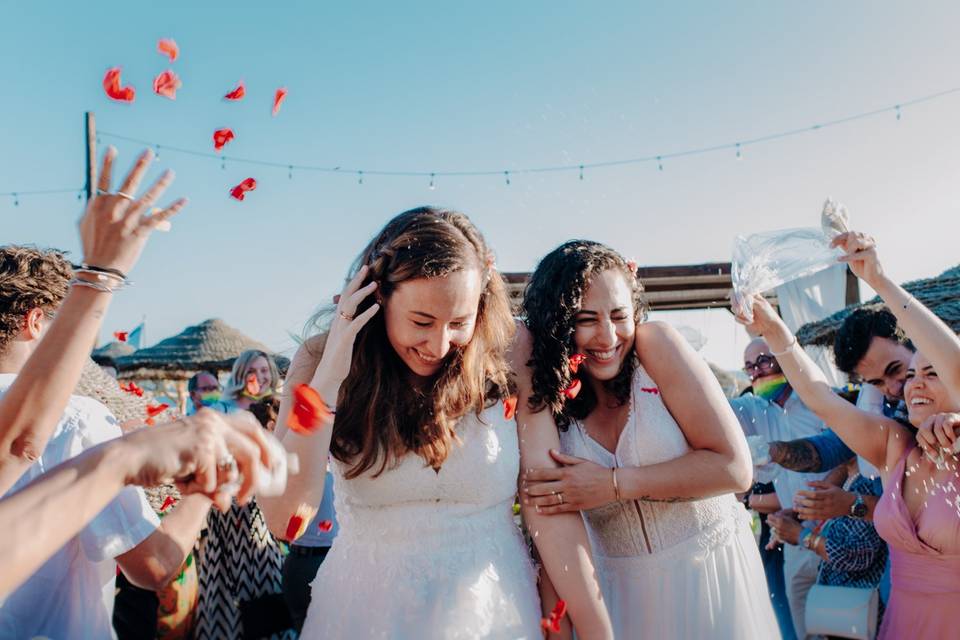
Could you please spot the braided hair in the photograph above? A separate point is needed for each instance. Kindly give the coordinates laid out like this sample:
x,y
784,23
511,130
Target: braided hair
x,y
552,298
380,416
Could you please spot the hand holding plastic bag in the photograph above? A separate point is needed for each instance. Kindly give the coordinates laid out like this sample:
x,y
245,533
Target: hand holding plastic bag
x,y
764,261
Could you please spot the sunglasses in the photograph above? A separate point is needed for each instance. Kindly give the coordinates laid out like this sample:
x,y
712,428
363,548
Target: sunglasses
x,y
763,362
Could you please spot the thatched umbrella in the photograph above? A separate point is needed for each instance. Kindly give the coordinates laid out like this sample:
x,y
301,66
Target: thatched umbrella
x,y
107,355
941,295
95,383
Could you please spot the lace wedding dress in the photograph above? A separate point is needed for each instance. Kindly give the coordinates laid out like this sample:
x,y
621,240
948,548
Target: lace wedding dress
x,y
671,569
425,554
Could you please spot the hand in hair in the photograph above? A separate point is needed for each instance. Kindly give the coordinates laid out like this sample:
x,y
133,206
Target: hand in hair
x,y
115,226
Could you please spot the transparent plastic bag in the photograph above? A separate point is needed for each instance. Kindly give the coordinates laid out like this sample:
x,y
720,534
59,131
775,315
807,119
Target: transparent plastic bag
x,y
764,261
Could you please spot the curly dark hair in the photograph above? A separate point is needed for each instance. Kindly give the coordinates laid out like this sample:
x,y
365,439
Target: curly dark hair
x,y
30,278
551,300
859,329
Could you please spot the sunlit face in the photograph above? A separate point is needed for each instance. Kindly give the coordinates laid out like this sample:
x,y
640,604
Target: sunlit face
x,y
885,367
604,327
428,318
758,363
261,368
206,383
924,393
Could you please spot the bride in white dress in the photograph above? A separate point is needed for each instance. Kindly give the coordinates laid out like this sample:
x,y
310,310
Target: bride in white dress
x,y
424,454
650,453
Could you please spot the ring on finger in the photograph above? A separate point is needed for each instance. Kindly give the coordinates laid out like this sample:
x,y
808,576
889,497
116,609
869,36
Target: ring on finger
x,y
560,497
125,196
227,463
346,317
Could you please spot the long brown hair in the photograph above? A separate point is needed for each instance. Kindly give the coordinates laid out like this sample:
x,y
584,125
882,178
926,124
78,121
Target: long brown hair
x,y
380,415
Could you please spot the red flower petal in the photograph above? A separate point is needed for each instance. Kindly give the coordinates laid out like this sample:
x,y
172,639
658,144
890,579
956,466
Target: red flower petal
x,y
221,137
169,502
294,525
278,99
509,407
111,84
309,411
132,387
325,525
632,265
156,409
652,390
576,360
572,390
121,335
252,386
553,622
166,84
240,191
237,93
169,48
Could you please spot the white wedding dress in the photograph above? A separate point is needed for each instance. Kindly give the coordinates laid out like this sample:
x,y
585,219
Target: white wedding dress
x,y
422,554
681,570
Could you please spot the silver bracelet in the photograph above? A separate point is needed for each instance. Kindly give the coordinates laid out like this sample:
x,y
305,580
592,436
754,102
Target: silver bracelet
x,y
789,348
93,285
116,281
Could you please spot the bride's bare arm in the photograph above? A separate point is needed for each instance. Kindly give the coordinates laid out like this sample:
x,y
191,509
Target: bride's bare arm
x,y
720,460
561,540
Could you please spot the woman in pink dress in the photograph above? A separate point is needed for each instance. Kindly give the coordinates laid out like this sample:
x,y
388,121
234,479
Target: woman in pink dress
x,y
919,513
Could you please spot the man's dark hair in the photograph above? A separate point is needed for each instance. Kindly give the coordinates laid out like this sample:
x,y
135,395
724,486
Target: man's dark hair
x,y
859,329
194,381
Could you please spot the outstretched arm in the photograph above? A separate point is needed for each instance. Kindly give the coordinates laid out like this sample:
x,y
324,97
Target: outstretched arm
x,y
561,540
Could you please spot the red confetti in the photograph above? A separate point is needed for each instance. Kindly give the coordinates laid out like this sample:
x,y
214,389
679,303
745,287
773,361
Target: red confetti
x,y
237,93
632,265
252,386
156,409
166,84
132,387
278,99
553,622
572,390
111,84
221,137
121,335
169,502
325,526
509,407
240,191
294,527
169,48
576,360
309,411
652,390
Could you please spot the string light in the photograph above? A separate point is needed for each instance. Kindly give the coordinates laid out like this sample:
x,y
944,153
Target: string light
x,y
506,177
16,200
17,195
432,186
359,177
581,172
156,153
739,155
898,111
223,162
660,163
290,172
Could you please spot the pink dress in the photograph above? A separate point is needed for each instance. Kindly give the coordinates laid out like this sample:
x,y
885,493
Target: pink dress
x,y
924,557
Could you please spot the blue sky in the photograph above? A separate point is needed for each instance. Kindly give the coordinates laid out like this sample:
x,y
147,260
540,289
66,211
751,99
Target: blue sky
x,y
432,86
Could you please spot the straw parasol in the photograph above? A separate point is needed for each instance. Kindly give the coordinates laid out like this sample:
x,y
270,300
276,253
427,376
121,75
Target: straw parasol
x,y
107,355
211,345
941,295
95,383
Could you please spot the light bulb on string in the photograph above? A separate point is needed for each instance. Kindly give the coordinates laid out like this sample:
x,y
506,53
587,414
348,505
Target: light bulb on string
x,y
223,162
898,111
359,177
432,186
156,152
16,200
739,155
290,172
581,172
659,163
80,195
506,177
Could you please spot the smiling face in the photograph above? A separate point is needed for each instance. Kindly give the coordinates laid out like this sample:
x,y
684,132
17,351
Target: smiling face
x,y
884,366
261,368
924,393
604,326
427,318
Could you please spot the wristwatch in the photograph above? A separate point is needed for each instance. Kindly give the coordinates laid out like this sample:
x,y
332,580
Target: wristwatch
x,y
859,508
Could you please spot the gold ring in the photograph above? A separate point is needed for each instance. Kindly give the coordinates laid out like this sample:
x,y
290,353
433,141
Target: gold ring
x,y
345,316
560,495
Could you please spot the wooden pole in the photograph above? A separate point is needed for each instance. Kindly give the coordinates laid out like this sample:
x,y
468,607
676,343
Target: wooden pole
x,y
90,124
853,289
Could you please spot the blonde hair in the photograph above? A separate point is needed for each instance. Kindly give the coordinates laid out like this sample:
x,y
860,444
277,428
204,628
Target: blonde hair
x,y
238,375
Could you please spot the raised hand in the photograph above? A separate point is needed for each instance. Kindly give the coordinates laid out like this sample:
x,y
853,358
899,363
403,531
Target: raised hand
x,y
115,226
338,351
862,257
765,319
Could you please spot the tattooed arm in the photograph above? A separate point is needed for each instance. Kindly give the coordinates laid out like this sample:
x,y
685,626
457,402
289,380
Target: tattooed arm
x,y
796,455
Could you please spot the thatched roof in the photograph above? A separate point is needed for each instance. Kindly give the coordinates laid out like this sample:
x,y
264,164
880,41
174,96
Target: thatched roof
x,y
212,345
107,354
941,295
95,383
